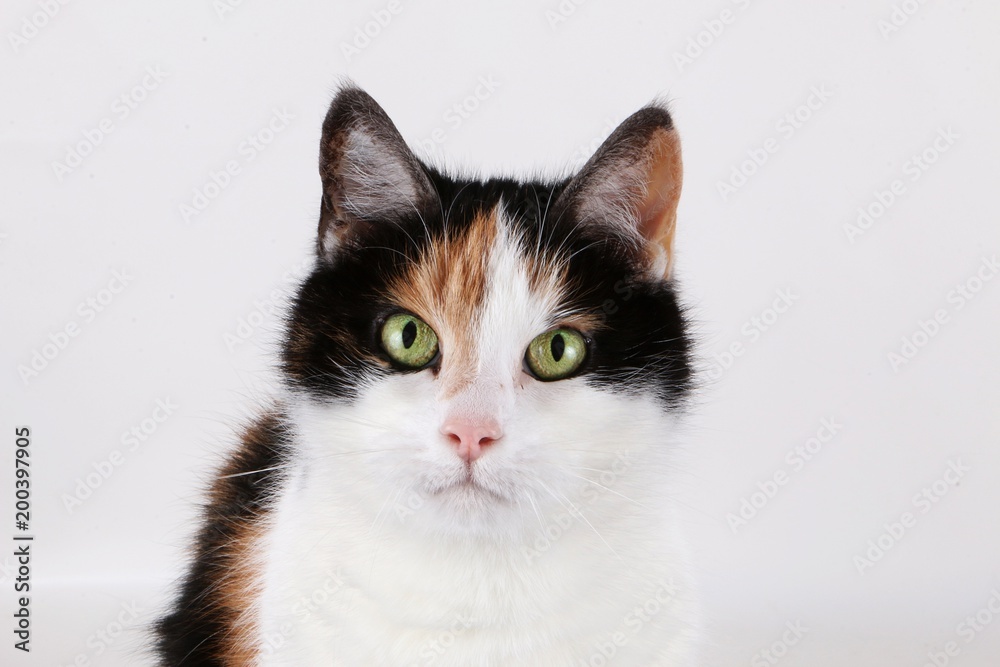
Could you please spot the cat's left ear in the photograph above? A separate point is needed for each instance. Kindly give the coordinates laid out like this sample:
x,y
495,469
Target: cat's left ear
x,y
370,176
632,184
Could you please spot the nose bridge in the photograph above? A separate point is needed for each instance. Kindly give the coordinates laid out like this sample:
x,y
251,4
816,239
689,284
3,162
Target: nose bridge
x,y
477,372
485,394
474,417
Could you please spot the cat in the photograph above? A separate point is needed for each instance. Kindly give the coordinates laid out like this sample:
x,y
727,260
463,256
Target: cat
x,y
475,453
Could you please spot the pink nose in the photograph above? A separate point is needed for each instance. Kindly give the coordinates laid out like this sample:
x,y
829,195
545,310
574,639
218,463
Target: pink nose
x,y
470,436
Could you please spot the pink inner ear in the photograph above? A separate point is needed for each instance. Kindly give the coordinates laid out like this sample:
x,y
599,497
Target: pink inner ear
x,y
657,210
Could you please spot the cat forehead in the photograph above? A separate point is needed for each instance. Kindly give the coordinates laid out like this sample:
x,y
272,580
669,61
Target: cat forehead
x,y
486,290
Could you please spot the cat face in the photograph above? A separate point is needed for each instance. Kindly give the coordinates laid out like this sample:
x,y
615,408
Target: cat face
x,y
480,352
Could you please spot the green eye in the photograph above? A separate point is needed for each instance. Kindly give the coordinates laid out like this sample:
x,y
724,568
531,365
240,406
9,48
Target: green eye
x,y
408,341
556,354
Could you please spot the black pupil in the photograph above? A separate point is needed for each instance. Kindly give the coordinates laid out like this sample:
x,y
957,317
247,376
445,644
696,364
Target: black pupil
x,y
409,334
558,347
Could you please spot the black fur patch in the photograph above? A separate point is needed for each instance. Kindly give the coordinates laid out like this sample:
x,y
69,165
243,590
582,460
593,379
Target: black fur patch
x,y
642,346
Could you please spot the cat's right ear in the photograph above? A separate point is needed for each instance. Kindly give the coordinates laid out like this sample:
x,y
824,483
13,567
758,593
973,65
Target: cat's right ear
x,y
369,174
632,184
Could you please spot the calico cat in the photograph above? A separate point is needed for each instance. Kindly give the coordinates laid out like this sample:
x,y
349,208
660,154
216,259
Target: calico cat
x,y
475,453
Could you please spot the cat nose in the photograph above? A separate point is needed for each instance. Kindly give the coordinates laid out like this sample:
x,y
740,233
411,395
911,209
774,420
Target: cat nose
x,y
471,436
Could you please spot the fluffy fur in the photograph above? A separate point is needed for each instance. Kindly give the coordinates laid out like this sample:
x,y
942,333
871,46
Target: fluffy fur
x,y
346,530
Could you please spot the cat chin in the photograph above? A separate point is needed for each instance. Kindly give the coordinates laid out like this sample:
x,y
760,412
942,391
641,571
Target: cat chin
x,y
469,509
470,493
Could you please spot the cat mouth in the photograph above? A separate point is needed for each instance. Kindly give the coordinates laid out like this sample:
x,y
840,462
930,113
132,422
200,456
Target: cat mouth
x,y
470,484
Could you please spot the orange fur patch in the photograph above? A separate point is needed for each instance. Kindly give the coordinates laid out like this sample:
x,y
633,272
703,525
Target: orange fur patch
x,y
446,288
237,565
238,592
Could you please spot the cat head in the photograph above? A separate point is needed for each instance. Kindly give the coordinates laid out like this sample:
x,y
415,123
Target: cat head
x,y
478,347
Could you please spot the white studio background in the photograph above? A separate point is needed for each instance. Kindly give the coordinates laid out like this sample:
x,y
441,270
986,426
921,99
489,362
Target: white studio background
x,y
794,117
